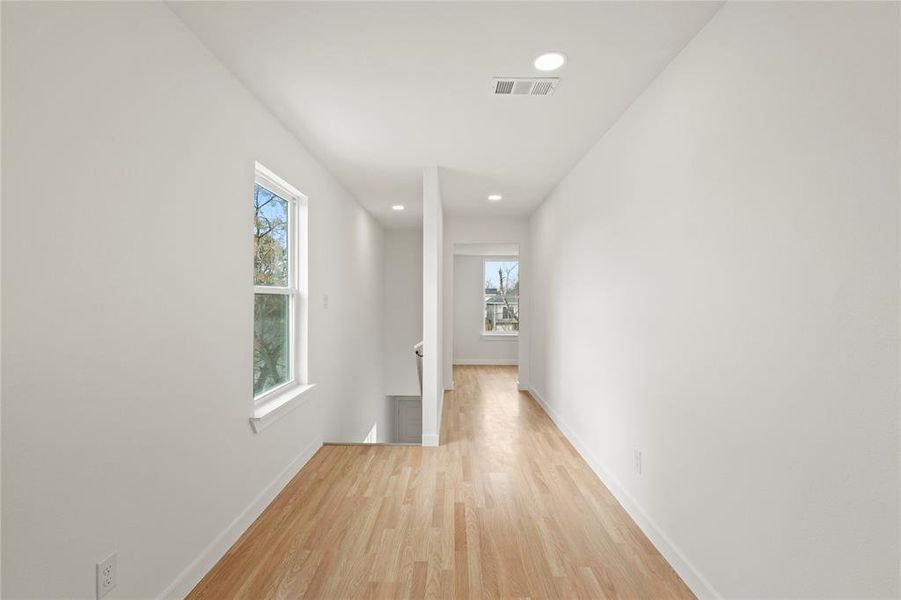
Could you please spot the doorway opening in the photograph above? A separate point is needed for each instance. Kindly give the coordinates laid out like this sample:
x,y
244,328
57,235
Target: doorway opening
x,y
484,319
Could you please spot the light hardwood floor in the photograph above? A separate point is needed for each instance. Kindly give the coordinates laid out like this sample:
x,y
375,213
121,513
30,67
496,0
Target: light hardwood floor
x,y
505,508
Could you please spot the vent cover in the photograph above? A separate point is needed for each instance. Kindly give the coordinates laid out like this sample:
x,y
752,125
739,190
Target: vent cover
x,y
520,86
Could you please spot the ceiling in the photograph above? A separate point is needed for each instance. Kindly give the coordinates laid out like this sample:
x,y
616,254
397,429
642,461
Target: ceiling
x,y
378,90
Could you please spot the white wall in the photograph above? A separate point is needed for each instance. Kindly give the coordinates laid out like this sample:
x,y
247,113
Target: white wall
x,y
470,346
461,230
402,322
735,239
432,306
128,156
1,311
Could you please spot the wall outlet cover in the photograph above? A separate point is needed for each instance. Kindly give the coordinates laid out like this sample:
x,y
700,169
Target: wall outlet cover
x,y
106,575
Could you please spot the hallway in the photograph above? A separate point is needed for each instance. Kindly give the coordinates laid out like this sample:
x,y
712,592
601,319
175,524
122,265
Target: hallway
x,y
505,507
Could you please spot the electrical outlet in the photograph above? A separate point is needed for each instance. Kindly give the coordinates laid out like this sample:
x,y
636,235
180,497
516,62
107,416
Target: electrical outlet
x,y
325,301
638,461
106,575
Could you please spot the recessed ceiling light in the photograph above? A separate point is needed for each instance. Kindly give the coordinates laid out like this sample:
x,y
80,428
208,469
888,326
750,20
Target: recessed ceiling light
x,y
495,197
550,61
397,207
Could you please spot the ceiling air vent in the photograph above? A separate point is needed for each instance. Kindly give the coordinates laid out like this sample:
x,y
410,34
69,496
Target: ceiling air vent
x,y
520,86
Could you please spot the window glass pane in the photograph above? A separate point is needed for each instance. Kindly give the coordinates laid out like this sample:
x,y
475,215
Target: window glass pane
x,y
501,296
271,226
271,340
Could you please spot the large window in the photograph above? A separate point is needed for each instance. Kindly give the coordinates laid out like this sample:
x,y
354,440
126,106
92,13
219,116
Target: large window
x,y
279,263
501,305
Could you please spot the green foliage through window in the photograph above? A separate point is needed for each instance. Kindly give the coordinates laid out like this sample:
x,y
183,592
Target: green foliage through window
x,y
271,238
272,309
271,342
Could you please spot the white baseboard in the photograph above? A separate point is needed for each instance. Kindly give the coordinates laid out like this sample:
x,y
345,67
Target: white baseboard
x,y
201,565
689,574
522,387
486,361
430,439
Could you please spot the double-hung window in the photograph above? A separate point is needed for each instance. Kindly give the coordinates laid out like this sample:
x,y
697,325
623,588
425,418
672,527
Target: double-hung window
x,y
501,297
279,284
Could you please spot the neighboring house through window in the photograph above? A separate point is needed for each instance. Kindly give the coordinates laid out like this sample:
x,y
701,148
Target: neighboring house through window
x,y
501,303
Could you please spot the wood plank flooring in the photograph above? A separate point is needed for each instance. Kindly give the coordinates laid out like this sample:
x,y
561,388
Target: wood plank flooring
x,y
505,508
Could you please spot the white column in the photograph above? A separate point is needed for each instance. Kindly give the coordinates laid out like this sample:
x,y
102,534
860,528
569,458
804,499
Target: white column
x,y
432,300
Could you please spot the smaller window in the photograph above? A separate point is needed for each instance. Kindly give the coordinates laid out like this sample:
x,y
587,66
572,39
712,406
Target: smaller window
x,y
501,303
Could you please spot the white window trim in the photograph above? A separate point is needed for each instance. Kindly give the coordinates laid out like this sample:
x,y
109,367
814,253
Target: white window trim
x,y
491,335
278,406
277,402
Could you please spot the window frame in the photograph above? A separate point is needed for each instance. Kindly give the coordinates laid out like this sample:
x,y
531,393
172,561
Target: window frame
x,y
296,290
493,334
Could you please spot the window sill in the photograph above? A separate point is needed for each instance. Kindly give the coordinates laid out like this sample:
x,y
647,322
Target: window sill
x,y
500,336
277,407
